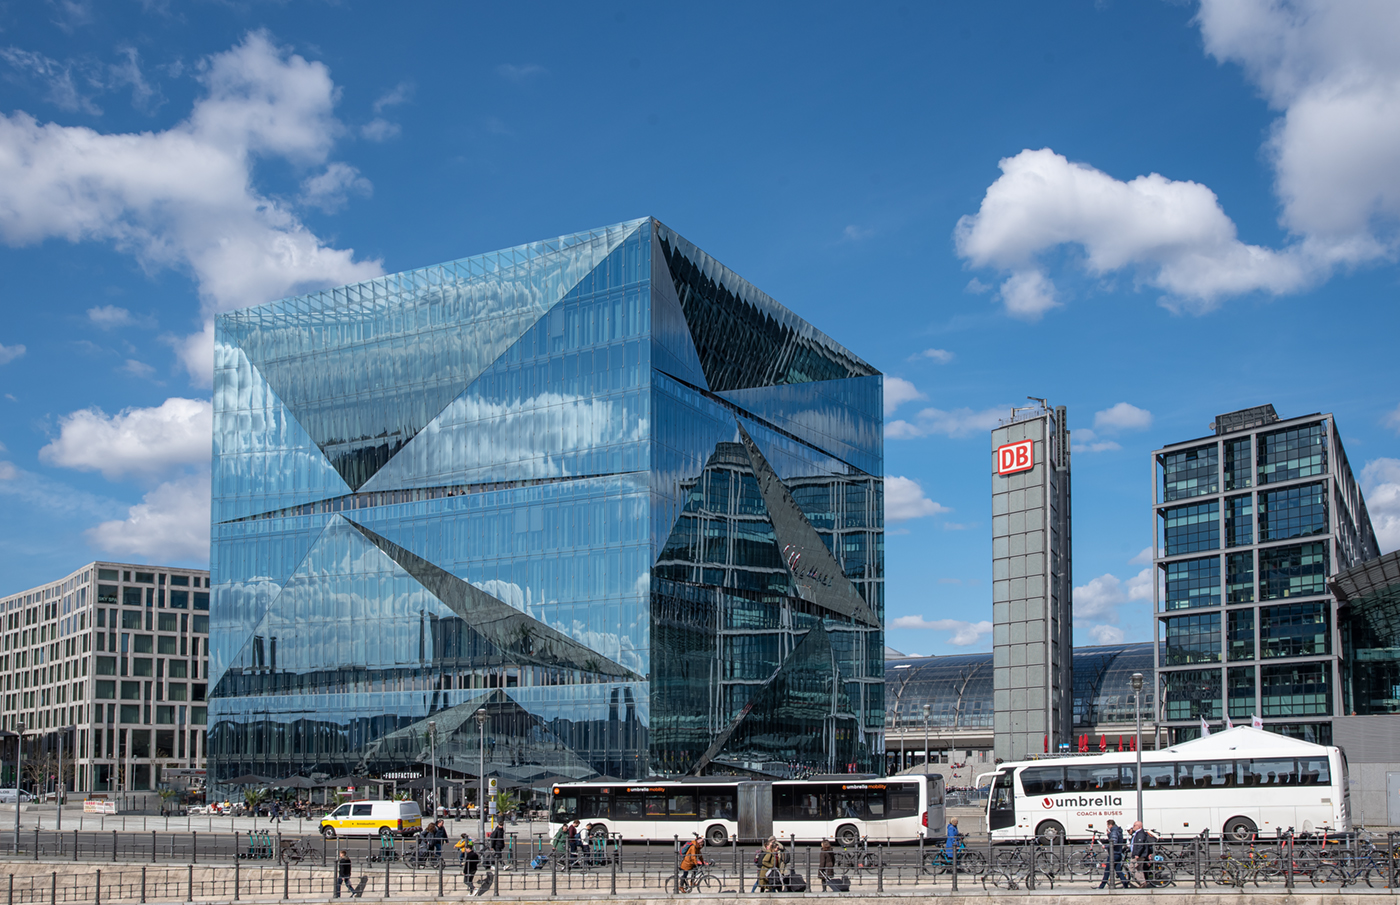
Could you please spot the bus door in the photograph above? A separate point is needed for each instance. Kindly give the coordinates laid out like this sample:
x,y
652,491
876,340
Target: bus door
x,y
1001,805
935,814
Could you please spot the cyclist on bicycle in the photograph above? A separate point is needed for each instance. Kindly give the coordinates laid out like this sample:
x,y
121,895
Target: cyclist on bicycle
x,y
693,858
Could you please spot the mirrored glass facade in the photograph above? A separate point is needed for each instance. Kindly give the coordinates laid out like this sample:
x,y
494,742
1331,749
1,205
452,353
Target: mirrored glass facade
x,y
599,487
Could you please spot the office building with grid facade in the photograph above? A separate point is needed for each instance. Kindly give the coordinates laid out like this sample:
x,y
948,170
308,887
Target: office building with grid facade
x,y
1248,526
114,659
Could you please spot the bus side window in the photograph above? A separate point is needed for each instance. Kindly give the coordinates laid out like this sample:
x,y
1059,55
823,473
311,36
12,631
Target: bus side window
x,y
850,804
1272,772
681,806
875,803
565,807
1313,771
627,807
903,801
1158,776
656,804
1079,779
783,805
717,806
810,807
1043,780
592,804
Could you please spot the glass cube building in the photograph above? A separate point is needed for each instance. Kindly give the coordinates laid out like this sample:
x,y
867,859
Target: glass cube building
x,y
599,488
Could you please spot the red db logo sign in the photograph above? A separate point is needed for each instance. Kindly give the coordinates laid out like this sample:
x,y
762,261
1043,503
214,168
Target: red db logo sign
x,y
1014,457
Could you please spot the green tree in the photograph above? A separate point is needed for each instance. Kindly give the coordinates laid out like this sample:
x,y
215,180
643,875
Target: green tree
x,y
252,798
167,795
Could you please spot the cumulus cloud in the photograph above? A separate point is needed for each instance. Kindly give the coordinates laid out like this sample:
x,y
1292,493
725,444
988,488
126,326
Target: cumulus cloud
x,y
963,633
1123,416
1085,439
10,353
904,500
1098,604
380,129
957,423
1392,419
135,441
1106,634
1330,71
109,316
897,392
137,368
170,523
942,356
330,189
521,73
1380,482
184,197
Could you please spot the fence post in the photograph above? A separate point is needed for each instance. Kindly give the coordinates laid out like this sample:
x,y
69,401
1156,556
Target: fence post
x,y
236,865
1030,875
153,846
194,847
879,868
441,865
553,874
286,879
612,889
143,883
387,862
114,846
190,882
53,889
36,842
809,870
955,864
75,845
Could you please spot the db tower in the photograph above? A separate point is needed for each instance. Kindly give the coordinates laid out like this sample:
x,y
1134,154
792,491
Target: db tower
x,y
1031,581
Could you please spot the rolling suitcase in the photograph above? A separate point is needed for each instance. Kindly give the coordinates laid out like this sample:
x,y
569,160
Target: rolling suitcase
x,y
795,882
839,884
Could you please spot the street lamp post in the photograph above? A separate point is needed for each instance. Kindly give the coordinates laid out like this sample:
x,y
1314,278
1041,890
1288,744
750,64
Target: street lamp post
x,y
1137,706
432,756
58,792
19,771
481,779
926,758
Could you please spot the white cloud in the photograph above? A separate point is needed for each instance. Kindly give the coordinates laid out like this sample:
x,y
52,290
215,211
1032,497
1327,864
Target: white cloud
x,y
399,94
854,233
1380,481
957,423
170,523
1084,439
196,353
519,73
1171,235
330,189
184,197
10,353
380,129
64,87
1143,558
899,391
1123,416
1392,419
1106,634
137,368
904,500
109,316
942,356
963,633
135,441
1102,596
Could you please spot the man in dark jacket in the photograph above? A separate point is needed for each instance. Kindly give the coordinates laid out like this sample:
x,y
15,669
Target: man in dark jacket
x,y
470,862
1113,863
342,873
498,842
1140,849
827,866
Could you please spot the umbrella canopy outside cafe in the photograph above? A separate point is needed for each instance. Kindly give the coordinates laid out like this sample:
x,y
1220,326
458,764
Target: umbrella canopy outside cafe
x,y
426,782
295,782
250,779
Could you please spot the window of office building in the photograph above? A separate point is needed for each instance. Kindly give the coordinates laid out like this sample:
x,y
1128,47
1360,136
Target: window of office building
x,y
1239,578
1294,570
1241,634
1187,529
1241,692
1189,473
1193,583
1296,689
1191,694
1239,521
1295,630
1238,464
1191,639
1290,512
1292,453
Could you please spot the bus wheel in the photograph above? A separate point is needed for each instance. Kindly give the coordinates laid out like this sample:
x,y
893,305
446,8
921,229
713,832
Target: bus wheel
x,y
328,832
716,836
1050,832
1239,829
847,835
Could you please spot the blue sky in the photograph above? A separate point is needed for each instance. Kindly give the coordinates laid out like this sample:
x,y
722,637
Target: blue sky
x,y
1147,212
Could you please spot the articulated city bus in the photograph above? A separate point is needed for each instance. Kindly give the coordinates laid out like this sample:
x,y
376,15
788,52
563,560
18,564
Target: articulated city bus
x,y
1236,782
844,808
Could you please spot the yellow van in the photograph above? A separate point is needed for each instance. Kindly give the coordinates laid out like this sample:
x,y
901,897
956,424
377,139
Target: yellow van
x,y
373,818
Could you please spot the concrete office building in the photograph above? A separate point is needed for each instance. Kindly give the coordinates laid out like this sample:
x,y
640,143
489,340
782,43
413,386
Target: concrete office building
x,y
112,658
1248,525
1031,582
596,503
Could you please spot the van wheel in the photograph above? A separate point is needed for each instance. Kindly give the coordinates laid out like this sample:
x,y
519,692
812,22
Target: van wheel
x,y
385,833
328,832
847,835
716,836
1050,832
1239,829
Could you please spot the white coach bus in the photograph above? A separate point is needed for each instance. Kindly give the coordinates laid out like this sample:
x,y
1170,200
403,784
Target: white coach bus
x,y
1236,782
839,807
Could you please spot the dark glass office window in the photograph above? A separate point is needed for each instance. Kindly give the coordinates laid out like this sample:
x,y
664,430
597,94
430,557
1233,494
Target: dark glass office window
x,y
1189,473
1188,529
1295,570
1193,583
1191,639
1295,630
1241,635
1293,512
1239,472
106,593
1296,689
1239,521
1242,690
1297,452
180,600
1191,694
1239,578
130,597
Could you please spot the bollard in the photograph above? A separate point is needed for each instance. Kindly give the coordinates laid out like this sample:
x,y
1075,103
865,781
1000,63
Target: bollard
x,y
194,847
1030,875
440,866
612,889
143,883
75,845
387,862
741,875
11,899
286,877
1287,846
36,842
153,846
809,869
53,889
553,874
879,869
114,846
236,884
190,886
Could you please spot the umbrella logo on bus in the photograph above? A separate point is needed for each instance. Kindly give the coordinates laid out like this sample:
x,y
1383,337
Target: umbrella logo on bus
x,y
1047,803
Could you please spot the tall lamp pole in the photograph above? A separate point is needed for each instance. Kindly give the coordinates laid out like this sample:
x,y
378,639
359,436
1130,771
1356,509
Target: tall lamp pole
x,y
19,771
1137,706
926,738
59,791
432,756
481,779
